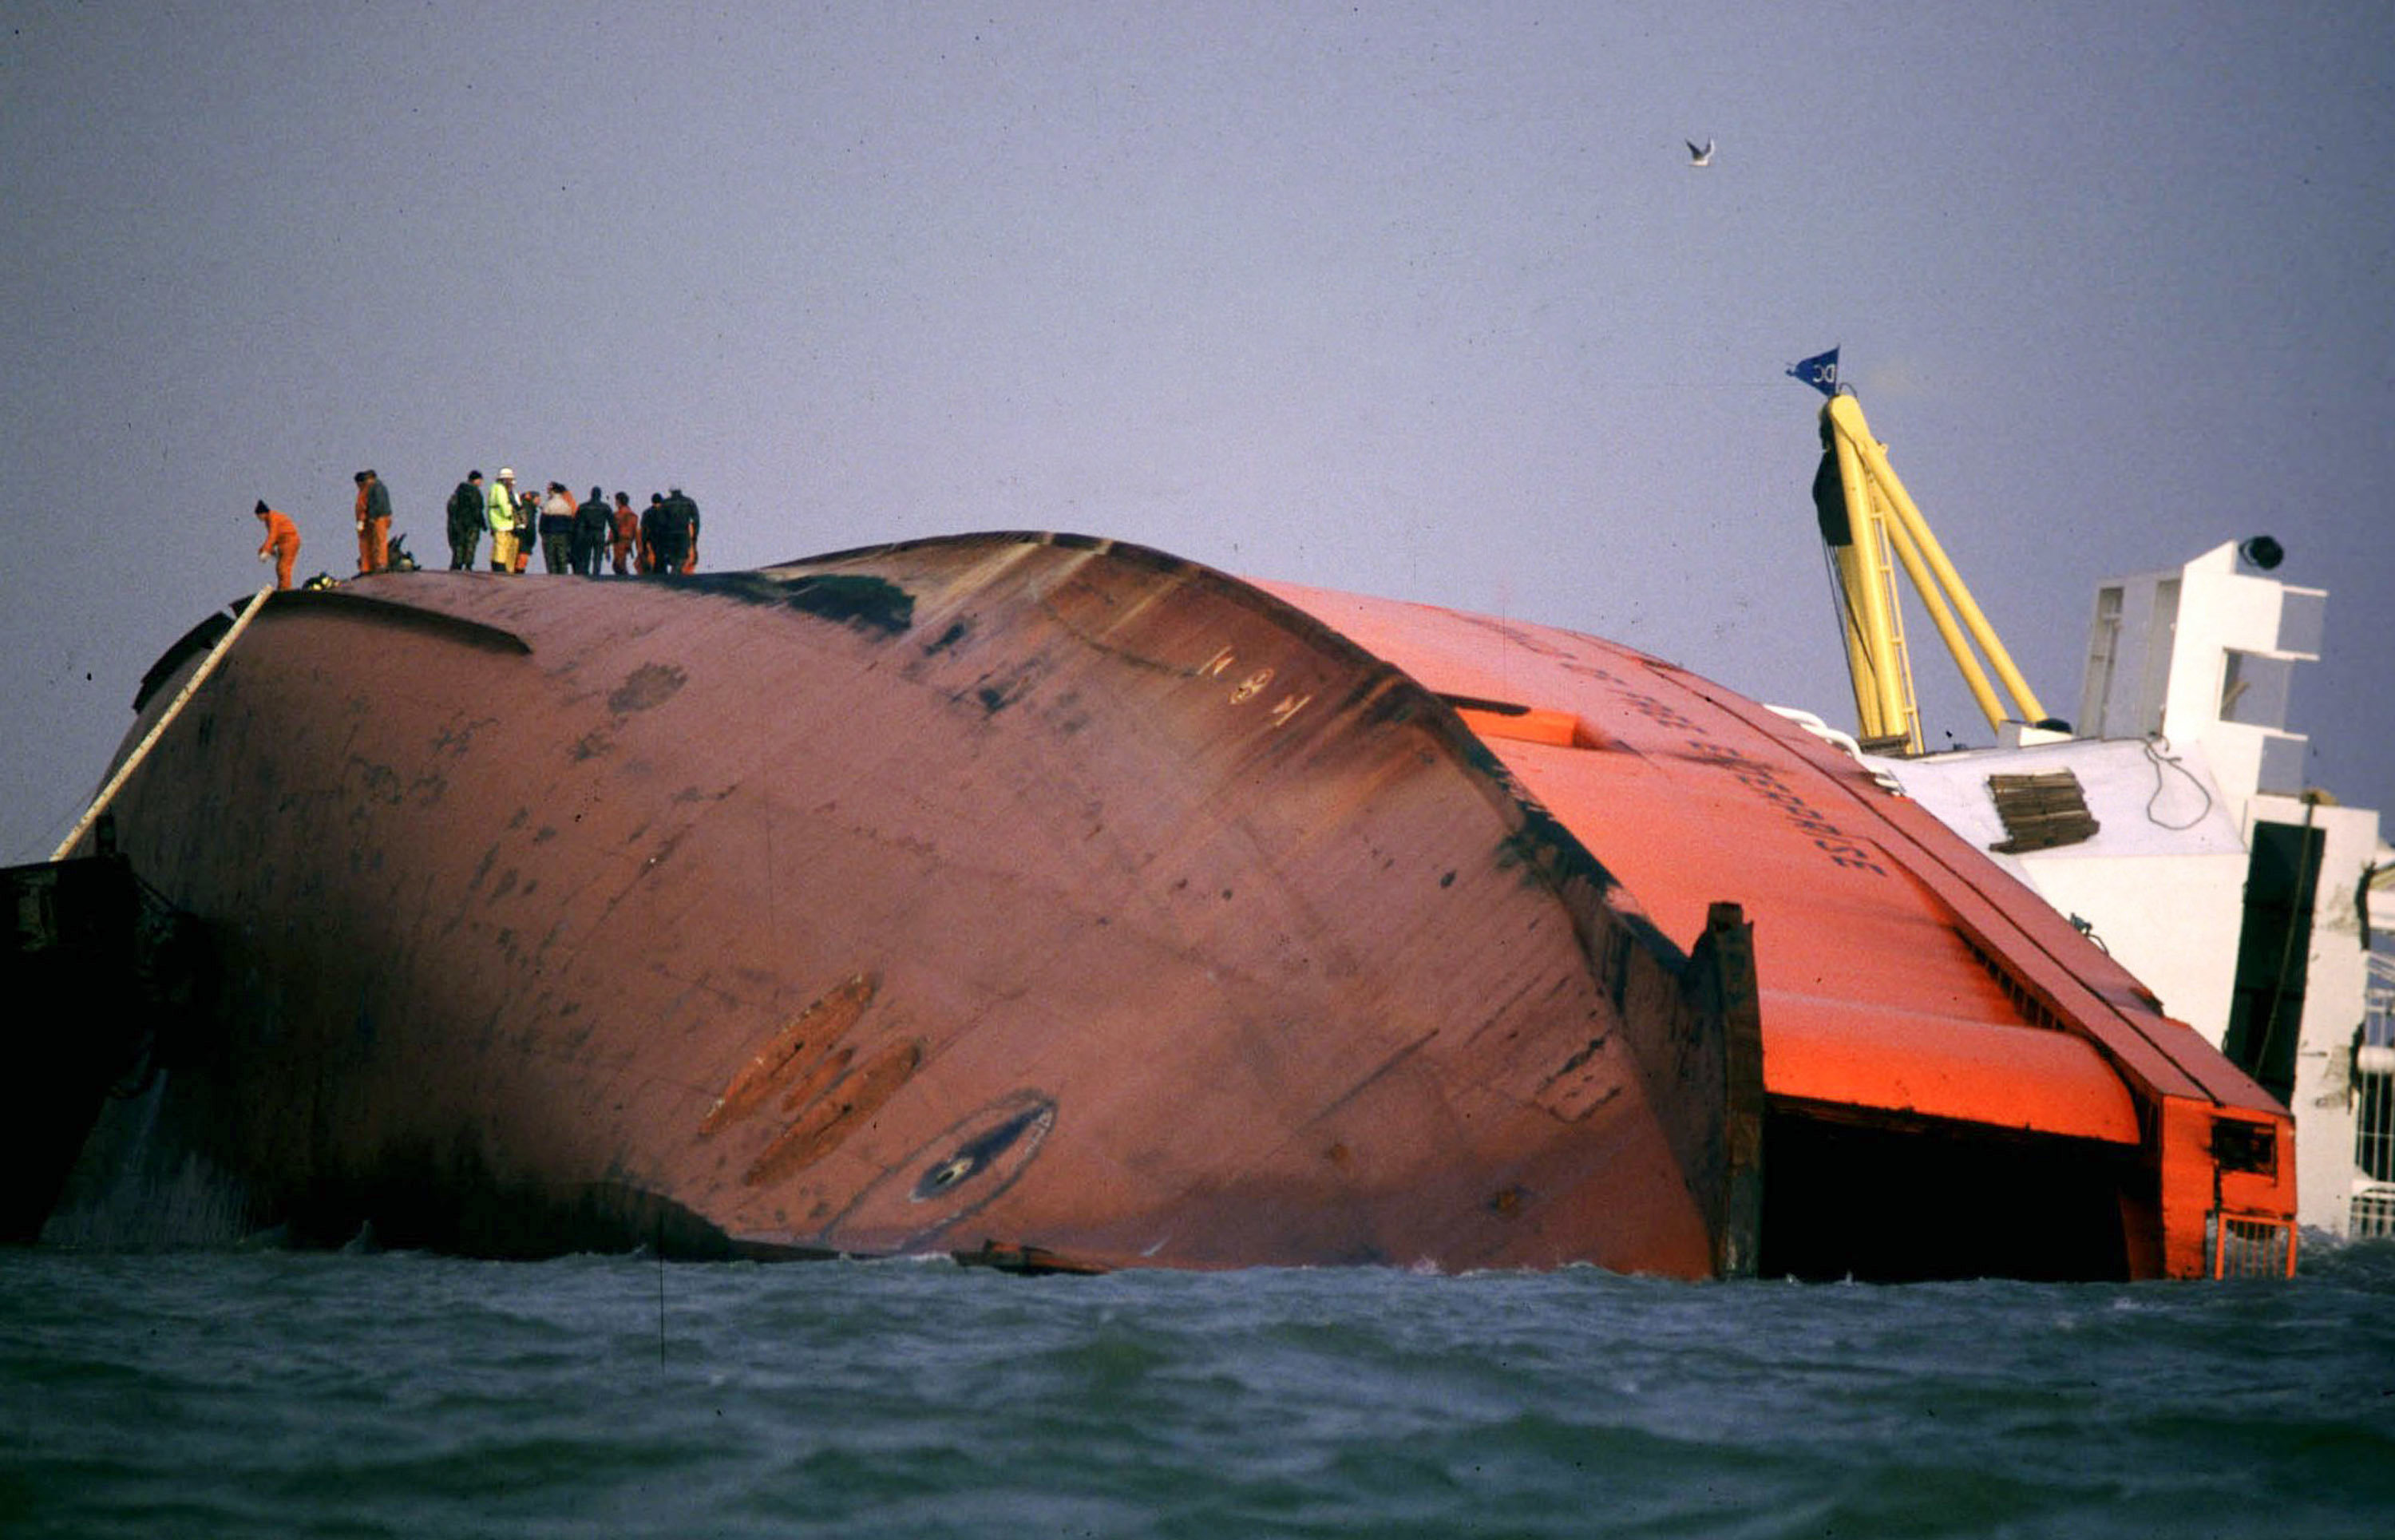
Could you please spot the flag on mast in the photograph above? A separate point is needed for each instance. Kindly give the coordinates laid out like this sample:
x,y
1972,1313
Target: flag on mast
x,y
1820,371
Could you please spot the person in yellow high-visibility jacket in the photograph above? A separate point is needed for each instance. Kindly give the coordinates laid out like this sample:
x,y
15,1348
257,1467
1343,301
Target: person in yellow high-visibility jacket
x,y
502,521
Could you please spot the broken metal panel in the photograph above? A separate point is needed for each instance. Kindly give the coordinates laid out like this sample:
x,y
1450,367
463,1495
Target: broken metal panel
x,y
2041,811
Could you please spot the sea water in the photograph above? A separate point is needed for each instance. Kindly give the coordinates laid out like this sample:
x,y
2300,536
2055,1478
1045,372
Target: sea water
x,y
290,1394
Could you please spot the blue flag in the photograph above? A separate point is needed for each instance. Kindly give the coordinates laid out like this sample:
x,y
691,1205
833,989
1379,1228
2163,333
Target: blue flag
x,y
1820,371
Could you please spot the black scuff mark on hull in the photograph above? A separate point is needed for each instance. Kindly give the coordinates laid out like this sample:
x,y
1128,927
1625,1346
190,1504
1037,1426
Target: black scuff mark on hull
x,y
1543,850
871,604
453,741
1387,1067
375,782
750,588
650,684
996,692
1594,1046
868,603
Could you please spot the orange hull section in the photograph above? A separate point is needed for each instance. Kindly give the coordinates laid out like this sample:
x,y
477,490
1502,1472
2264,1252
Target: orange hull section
x,y
1905,981
1037,896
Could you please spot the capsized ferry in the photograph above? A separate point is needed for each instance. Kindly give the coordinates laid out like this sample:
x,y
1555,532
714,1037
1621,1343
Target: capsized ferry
x,y
1061,904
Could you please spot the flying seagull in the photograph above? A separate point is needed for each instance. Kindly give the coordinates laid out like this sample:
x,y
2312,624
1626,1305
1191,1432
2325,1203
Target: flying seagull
x,y
1701,157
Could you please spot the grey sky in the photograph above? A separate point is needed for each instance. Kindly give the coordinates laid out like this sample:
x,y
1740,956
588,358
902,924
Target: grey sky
x,y
1411,299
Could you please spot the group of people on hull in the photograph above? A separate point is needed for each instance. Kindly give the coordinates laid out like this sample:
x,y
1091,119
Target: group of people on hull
x,y
573,537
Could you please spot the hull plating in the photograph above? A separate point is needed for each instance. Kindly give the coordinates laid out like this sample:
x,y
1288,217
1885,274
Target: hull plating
x,y
1040,898
1043,891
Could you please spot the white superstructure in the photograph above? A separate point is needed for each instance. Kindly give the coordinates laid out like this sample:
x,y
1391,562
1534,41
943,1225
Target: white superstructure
x,y
2177,827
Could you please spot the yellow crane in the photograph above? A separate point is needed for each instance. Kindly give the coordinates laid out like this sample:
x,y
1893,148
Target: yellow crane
x,y
1871,526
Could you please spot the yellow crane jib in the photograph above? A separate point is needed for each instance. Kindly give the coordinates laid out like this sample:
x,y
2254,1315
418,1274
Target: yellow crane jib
x,y
1870,527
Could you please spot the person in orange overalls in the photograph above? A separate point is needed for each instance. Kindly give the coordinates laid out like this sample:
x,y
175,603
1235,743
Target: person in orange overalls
x,y
627,533
281,542
374,523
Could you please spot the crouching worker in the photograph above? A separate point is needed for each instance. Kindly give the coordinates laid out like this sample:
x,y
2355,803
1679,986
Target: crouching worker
x,y
282,543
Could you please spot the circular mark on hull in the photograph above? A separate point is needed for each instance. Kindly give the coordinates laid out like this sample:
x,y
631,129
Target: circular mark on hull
x,y
948,1178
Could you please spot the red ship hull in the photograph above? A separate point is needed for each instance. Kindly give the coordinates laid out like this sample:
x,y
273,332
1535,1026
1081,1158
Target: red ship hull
x,y
1057,901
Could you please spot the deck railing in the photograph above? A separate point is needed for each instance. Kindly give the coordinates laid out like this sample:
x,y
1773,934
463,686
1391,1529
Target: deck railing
x,y
2372,1214
2249,1245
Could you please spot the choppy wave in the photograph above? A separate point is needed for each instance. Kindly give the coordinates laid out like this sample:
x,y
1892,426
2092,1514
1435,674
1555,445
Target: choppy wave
x,y
298,1394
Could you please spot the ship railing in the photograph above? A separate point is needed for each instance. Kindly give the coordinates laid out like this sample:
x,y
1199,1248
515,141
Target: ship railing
x,y
2372,1217
2250,1245
2372,1212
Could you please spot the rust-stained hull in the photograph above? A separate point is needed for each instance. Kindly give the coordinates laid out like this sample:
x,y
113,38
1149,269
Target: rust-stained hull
x,y
1038,897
